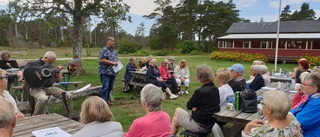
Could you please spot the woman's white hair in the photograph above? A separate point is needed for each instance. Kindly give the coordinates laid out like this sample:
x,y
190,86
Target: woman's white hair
x,y
152,97
278,101
50,55
6,113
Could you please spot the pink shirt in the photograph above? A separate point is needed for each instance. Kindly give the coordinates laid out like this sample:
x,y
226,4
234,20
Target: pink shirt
x,y
297,100
164,72
154,124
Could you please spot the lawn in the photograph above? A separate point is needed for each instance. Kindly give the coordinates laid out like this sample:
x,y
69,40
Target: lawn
x,y
127,106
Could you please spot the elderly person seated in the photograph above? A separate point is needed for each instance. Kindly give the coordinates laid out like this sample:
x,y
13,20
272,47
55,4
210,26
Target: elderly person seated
x,y
167,77
299,97
258,81
223,76
182,75
303,66
5,94
265,74
150,58
308,112
203,104
156,123
153,76
237,83
275,107
171,64
5,55
143,63
131,66
96,116
7,118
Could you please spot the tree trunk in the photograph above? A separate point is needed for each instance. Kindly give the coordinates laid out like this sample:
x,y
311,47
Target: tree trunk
x,y
77,40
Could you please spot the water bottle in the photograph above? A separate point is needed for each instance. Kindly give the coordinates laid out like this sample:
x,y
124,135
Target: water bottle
x,y
281,72
287,90
287,73
237,107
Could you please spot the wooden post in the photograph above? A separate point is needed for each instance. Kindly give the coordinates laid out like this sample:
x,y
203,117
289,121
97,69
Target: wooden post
x,y
307,45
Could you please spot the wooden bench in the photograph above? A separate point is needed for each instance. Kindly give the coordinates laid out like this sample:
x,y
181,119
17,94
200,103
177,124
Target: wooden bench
x,y
25,106
283,59
66,84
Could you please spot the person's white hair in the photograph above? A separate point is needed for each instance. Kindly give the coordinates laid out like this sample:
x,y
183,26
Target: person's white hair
x,y
263,69
152,97
6,113
256,68
278,101
50,55
258,62
304,75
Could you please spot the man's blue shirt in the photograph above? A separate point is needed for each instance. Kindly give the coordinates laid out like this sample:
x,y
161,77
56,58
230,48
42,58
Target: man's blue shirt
x,y
108,54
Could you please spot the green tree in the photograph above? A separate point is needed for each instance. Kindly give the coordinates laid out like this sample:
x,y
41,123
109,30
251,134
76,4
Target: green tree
x,y
304,14
285,14
167,36
127,45
78,10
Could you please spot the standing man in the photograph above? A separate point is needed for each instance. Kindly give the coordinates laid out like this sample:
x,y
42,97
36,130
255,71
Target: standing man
x,y
40,94
107,59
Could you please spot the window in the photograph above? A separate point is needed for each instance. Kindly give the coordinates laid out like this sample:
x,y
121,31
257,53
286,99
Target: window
x,y
246,44
264,45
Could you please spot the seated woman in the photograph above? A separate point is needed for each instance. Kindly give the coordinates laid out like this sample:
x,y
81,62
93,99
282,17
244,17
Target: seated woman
x,y
5,94
131,66
96,116
275,107
156,123
265,74
143,63
308,112
299,97
223,76
153,77
203,103
258,81
167,77
303,66
7,57
182,74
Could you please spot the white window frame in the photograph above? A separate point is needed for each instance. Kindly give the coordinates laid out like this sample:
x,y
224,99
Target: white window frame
x,y
244,43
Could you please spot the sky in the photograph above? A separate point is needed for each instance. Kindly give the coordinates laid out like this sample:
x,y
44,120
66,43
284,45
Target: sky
x,y
253,10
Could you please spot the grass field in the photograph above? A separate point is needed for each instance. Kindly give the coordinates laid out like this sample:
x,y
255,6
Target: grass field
x,y
127,106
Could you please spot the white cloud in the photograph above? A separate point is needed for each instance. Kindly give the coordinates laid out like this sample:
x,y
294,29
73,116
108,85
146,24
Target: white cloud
x,y
244,3
144,7
4,2
266,18
317,13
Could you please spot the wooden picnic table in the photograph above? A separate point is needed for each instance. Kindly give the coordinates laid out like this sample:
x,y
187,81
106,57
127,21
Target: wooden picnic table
x,y
138,75
25,126
280,79
240,119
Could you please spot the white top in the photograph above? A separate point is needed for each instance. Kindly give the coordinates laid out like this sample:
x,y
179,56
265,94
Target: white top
x,y
181,72
7,96
100,129
266,78
224,91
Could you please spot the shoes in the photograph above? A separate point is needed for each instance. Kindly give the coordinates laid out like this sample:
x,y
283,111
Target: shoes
x,y
172,96
164,95
186,92
179,93
110,103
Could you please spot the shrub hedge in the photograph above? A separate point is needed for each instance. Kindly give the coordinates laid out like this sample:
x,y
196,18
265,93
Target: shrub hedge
x,y
238,56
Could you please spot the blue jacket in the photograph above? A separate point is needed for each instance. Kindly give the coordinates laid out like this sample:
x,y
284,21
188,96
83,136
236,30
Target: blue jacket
x,y
127,75
257,83
308,114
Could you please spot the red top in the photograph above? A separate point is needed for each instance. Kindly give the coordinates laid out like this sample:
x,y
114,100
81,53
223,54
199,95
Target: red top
x,y
164,72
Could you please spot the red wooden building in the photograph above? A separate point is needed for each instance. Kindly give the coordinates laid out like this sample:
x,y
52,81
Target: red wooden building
x,y
295,39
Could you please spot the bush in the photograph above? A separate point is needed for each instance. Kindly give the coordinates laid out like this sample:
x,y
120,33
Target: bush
x,y
238,56
187,46
195,52
140,53
127,45
161,53
313,60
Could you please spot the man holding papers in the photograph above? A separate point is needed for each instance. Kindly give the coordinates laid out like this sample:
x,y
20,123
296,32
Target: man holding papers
x,y
107,59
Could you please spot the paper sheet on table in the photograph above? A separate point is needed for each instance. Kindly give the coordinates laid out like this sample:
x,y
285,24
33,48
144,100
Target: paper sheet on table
x,y
269,88
293,91
82,89
51,132
117,68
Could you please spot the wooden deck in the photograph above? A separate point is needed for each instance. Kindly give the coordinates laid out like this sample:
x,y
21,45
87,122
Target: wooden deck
x,y
25,126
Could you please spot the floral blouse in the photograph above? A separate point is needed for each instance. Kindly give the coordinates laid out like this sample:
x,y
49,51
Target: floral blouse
x,y
292,130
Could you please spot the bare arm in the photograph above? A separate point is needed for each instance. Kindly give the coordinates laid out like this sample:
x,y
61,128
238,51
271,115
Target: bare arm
x,y
108,62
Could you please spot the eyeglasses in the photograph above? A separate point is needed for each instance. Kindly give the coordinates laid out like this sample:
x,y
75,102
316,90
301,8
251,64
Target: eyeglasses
x,y
6,77
304,84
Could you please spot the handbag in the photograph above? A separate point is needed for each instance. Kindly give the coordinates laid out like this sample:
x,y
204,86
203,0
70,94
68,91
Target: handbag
x,y
248,101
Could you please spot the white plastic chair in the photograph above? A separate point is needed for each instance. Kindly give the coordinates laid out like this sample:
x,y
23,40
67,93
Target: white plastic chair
x,y
216,131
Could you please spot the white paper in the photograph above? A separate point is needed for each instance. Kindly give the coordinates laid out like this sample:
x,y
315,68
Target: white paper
x,y
51,132
269,88
82,89
118,67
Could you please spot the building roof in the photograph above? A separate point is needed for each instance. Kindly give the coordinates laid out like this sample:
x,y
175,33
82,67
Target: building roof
x,y
271,27
272,36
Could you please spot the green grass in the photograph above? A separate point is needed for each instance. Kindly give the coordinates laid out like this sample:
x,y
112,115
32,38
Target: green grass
x,y
127,106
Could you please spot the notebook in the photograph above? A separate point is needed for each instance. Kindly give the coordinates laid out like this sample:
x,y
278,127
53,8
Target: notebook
x,y
13,64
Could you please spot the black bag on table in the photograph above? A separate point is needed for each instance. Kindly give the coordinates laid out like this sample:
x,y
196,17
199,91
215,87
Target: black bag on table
x,y
248,101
